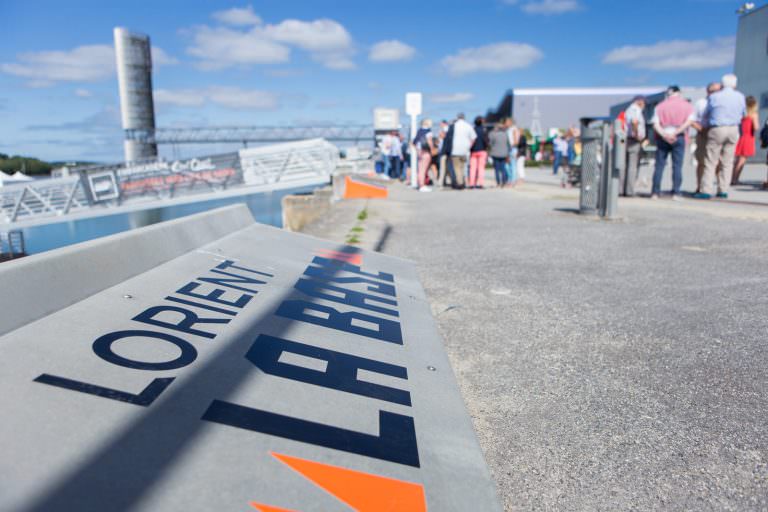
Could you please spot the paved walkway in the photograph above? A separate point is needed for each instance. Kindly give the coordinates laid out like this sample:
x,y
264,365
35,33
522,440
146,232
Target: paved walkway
x,y
606,365
750,191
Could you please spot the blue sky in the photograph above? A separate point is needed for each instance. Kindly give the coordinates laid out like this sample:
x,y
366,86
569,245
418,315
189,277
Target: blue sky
x,y
267,63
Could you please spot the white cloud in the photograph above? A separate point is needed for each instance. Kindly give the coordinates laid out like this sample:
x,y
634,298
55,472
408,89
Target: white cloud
x,y
228,97
493,57
221,47
318,35
89,63
392,50
83,93
457,97
676,54
284,73
237,16
547,7
160,58
179,97
337,61
236,98
327,41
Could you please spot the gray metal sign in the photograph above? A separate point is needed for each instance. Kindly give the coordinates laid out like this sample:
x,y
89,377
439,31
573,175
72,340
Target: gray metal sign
x,y
265,371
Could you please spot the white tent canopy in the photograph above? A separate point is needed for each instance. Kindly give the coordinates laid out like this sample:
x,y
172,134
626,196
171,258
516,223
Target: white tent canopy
x,y
17,177
20,176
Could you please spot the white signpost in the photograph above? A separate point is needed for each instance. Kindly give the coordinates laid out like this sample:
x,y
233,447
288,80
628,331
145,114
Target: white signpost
x,y
413,109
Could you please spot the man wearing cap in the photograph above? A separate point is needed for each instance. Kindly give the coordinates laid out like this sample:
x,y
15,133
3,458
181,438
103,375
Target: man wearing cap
x,y
635,136
671,120
725,109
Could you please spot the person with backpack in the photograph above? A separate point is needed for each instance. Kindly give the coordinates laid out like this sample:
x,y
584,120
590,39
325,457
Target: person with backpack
x,y
424,144
522,155
499,149
764,144
478,155
446,151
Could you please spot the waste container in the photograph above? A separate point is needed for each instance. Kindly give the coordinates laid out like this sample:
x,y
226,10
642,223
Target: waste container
x,y
599,177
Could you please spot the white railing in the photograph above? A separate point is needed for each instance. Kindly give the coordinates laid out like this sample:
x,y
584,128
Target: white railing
x,y
55,196
303,162
291,161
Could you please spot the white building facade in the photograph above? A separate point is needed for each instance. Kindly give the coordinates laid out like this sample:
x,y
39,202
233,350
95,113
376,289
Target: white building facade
x,y
751,65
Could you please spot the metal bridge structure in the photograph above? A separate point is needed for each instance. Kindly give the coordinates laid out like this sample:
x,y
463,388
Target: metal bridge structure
x,y
353,133
41,198
300,163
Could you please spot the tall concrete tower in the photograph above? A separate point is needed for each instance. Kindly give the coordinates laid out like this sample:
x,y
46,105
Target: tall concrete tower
x,y
134,78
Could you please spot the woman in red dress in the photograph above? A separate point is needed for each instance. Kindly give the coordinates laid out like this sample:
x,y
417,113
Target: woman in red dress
x,y
745,148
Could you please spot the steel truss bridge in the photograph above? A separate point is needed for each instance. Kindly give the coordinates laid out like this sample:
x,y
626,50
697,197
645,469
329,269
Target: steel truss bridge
x,y
253,134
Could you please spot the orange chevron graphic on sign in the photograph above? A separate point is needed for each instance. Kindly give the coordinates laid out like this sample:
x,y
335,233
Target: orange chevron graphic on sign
x,y
363,492
267,508
353,258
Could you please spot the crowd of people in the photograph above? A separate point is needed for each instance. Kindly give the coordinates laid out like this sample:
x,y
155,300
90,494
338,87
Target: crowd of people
x,y
456,156
725,125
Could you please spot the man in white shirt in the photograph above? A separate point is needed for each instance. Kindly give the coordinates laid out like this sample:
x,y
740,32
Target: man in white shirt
x,y
635,120
463,137
559,150
395,155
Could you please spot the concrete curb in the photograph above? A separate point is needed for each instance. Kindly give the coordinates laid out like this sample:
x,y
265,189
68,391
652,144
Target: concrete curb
x,y
300,210
72,273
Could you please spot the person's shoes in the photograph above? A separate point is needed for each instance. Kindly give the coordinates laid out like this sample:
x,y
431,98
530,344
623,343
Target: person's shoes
x,y
722,195
654,197
702,195
480,187
425,189
677,197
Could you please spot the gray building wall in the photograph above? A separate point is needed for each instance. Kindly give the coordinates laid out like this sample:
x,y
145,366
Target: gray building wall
x,y
564,111
751,64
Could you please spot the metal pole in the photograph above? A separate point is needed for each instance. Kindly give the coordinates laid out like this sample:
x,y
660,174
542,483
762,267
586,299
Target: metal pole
x,y
414,156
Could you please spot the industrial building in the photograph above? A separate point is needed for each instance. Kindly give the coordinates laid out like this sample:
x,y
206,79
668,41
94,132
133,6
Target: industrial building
x,y
751,64
540,110
134,79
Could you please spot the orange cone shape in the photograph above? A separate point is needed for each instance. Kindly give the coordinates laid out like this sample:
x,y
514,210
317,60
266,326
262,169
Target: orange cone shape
x,y
363,492
358,190
353,258
267,508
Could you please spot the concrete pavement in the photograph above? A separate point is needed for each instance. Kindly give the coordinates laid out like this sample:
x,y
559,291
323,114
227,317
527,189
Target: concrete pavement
x,y
750,191
607,365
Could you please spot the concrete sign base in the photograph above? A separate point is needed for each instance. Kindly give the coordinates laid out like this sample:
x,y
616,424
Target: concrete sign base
x,y
263,370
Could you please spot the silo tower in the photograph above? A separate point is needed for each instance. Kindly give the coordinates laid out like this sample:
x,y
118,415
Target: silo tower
x,y
134,78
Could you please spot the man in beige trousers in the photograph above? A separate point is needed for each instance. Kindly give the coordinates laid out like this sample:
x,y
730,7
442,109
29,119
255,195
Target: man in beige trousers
x,y
724,112
702,127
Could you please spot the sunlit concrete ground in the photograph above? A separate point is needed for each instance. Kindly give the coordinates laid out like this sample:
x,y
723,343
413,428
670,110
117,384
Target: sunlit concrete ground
x,y
606,365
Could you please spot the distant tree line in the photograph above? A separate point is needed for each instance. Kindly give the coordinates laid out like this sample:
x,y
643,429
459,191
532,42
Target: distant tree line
x,y
28,165
33,166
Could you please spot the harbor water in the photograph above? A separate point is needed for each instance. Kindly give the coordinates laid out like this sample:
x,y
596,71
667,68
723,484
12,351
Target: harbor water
x,y
265,207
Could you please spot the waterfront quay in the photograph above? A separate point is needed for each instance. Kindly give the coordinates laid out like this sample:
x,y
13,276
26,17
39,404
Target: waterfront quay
x,y
606,365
